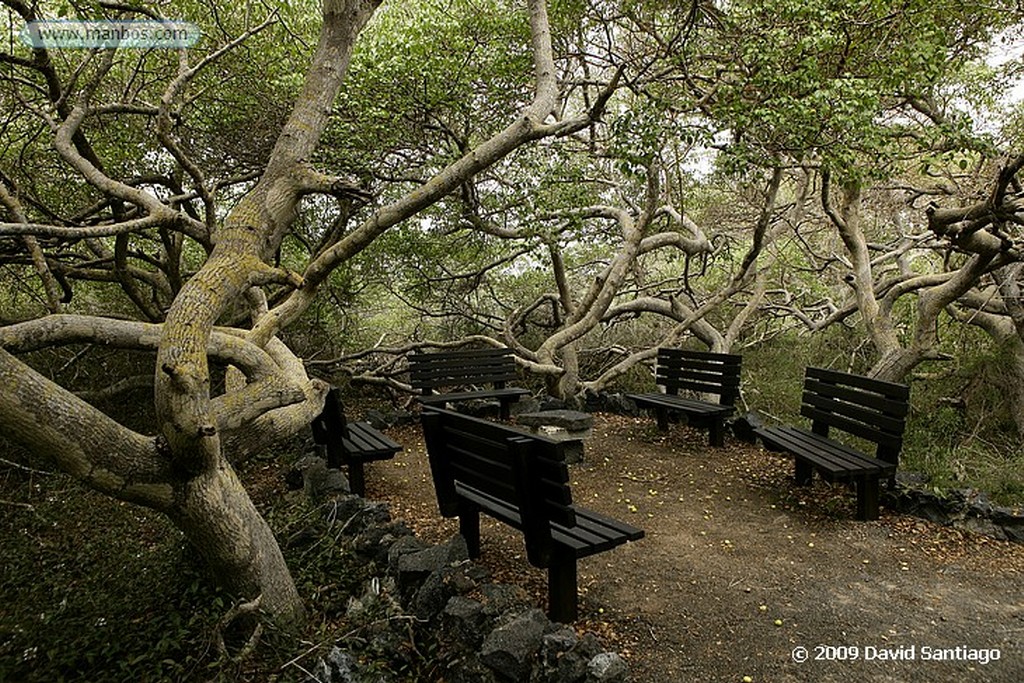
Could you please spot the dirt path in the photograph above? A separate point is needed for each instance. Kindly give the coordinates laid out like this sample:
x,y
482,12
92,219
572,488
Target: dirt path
x,y
740,570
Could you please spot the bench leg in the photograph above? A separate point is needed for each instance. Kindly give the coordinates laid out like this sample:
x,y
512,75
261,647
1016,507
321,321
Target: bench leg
x,y
357,478
562,587
867,498
716,434
332,451
505,412
803,473
469,527
661,414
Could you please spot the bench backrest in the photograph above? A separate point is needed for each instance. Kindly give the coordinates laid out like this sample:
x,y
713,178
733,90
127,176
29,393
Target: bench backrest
x,y
700,371
869,408
430,371
330,426
332,417
524,471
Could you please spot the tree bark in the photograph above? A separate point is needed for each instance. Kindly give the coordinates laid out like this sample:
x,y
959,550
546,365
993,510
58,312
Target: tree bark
x,y
847,219
895,360
215,512
1004,323
52,423
690,317
217,516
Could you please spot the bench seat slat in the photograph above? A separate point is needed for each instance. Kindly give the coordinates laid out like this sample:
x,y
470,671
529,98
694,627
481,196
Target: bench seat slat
x,y
359,442
437,399
613,531
365,442
585,540
591,535
577,539
505,506
840,462
681,403
614,525
578,544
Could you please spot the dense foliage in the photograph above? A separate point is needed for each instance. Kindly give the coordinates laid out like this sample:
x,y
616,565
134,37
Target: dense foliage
x,y
317,189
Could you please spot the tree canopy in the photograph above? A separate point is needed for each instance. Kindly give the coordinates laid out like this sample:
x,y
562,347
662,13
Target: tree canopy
x,y
316,189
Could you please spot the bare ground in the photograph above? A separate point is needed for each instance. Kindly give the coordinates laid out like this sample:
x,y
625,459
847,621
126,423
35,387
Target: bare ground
x,y
739,568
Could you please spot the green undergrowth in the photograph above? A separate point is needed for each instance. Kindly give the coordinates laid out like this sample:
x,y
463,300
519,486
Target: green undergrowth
x,y
942,446
97,590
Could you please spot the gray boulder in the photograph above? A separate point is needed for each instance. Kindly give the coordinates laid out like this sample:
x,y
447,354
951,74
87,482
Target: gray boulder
x,y
511,650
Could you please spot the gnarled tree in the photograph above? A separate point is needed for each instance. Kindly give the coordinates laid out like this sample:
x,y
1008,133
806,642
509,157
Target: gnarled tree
x,y
196,250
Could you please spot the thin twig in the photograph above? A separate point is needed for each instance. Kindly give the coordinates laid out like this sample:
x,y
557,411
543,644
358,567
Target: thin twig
x,y
305,671
294,661
24,468
241,608
13,503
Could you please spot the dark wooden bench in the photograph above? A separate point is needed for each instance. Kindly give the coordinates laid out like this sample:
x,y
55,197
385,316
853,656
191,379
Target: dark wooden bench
x,y
871,409
522,480
429,372
350,443
701,372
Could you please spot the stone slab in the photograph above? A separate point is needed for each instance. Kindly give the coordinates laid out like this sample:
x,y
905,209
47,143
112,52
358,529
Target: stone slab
x,y
569,420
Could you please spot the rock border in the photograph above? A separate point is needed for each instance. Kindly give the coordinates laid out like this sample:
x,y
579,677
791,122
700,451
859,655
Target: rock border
x,y
492,632
966,508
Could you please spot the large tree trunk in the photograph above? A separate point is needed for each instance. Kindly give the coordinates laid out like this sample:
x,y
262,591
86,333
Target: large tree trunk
x,y
219,519
214,510
252,233
896,365
877,320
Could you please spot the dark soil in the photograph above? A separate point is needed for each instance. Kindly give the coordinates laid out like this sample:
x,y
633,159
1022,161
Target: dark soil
x,y
740,568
